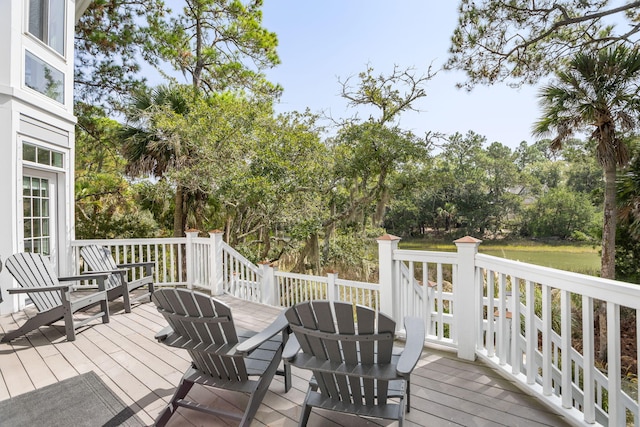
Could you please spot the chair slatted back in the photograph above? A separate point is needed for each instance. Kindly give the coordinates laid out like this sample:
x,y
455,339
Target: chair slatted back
x,y
99,258
35,271
204,326
356,349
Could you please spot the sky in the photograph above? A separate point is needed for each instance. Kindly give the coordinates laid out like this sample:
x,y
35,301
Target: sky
x,y
323,41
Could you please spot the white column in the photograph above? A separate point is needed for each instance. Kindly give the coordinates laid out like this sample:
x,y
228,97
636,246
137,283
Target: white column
x,y
189,250
331,285
266,284
387,277
465,295
215,263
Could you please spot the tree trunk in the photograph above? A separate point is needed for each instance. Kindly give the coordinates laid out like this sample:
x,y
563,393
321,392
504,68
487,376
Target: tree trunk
x,y
309,256
608,259
178,213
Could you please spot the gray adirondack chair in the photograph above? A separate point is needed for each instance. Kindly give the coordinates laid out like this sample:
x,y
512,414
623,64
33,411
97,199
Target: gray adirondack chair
x,y
355,367
53,299
99,259
222,356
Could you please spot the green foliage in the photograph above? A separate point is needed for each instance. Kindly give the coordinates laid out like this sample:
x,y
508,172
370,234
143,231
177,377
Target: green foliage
x,y
106,203
628,235
213,41
559,213
110,39
346,253
597,92
521,42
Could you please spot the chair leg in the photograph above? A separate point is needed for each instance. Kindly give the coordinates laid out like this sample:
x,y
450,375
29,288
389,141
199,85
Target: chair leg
x,y
408,396
263,385
126,299
68,318
180,393
306,411
69,328
287,377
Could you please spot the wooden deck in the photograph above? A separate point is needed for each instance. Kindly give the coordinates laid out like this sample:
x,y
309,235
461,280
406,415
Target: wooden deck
x,y
445,391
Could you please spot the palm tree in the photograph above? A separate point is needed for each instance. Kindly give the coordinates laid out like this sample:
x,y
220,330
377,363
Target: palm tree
x,y
148,152
597,91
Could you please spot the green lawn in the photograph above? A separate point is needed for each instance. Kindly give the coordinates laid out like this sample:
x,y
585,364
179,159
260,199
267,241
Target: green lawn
x,y
579,258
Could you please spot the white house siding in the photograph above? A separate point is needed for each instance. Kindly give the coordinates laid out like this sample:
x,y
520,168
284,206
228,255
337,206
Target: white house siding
x,y
27,115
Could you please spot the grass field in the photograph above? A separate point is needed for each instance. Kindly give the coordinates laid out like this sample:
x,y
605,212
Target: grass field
x,y
579,257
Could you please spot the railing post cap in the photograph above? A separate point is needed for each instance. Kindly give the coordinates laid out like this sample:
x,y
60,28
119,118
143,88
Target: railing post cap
x,y
467,239
216,232
389,237
191,230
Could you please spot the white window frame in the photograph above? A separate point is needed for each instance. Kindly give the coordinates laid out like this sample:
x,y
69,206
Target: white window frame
x,y
46,26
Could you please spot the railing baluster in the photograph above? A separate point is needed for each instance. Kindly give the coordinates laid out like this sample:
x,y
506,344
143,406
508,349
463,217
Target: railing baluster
x,y
565,319
516,355
616,411
531,333
636,414
489,339
546,341
503,325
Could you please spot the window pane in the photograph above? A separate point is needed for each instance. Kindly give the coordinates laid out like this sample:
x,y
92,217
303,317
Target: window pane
x,y
44,187
26,207
56,25
45,227
37,18
28,152
26,186
35,187
43,78
56,159
44,156
45,246
27,228
45,207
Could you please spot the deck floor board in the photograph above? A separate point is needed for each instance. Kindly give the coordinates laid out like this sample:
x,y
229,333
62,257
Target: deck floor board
x,y
143,373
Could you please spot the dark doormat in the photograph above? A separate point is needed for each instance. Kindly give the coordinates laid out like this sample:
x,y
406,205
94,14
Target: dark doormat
x,y
79,401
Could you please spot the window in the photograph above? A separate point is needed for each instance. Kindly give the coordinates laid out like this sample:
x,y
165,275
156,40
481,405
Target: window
x,y
36,215
40,76
41,155
46,22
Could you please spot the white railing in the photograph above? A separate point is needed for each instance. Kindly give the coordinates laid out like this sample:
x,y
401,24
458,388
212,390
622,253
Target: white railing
x,y
241,278
532,315
292,288
535,324
425,289
167,254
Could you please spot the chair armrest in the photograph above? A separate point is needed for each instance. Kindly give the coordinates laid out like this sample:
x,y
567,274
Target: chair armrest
x,y
413,346
266,334
107,272
291,349
137,264
39,289
164,333
89,276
